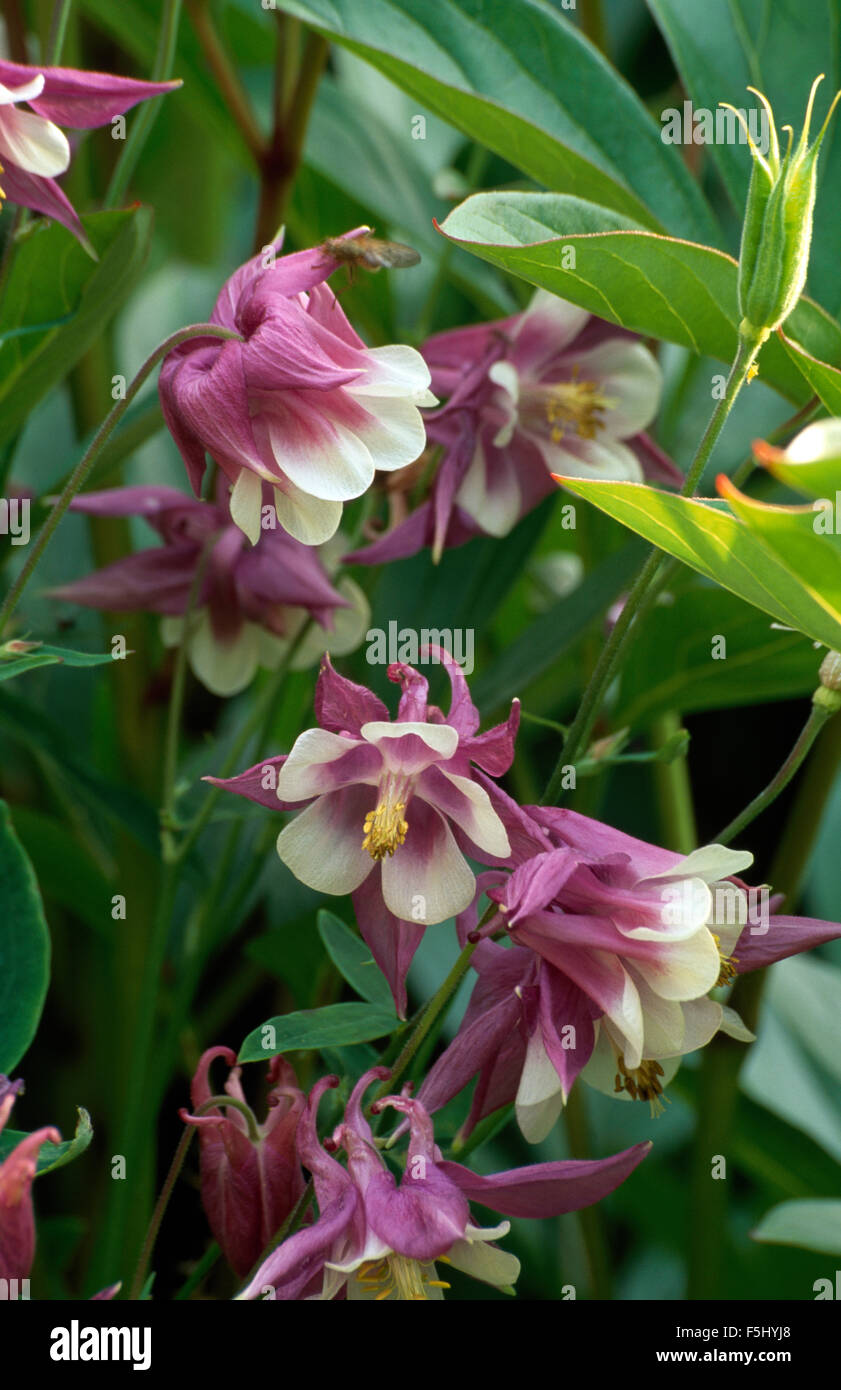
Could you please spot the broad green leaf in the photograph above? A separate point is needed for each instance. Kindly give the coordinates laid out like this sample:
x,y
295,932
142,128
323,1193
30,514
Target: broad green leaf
x,y
795,537
24,948
769,47
53,276
353,959
670,663
522,81
540,644
658,286
333,1026
814,1225
45,655
722,547
67,873
824,380
53,1156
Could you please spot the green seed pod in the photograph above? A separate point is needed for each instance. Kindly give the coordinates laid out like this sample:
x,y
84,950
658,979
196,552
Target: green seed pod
x,y
777,228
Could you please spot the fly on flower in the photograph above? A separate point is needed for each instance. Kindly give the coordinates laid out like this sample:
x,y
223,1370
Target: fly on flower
x,y
369,252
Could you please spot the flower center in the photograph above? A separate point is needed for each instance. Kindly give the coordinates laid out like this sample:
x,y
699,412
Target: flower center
x,y
641,1083
385,827
728,970
399,1279
569,404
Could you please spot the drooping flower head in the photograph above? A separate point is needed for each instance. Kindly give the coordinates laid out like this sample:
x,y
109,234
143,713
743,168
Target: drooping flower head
x,y
300,403
614,947
251,1178
253,602
390,807
551,390
33,150
378,1239
17,1220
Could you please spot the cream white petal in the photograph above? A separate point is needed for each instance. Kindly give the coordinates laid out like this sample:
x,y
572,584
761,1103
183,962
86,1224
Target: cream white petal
x,y
33,143
497,509
440,738
247,504
224,668
485,1262
477,819
328,859
394,370
310,520
302,775
27,92
631,379
683,969
540,1097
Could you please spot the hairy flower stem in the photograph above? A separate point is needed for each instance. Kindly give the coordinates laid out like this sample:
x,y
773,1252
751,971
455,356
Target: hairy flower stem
x,y
78,477
650,580
818,715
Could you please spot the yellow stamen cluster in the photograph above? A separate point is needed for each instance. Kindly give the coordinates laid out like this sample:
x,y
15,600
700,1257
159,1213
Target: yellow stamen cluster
x,y
384,828
399,1279
728,970
578,403
641,1083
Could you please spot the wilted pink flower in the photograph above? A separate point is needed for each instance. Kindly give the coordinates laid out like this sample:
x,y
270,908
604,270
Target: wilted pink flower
x,y
300,403
376,1239
614,947
33,151
17,1221
251,1175
391,807
551,390
253,601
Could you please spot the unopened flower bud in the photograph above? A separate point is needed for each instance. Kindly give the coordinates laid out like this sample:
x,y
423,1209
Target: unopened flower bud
x,y
777,230
828,693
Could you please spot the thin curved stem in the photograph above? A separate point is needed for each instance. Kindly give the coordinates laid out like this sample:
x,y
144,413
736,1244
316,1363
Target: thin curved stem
x,y
818,715
78,477
439,1000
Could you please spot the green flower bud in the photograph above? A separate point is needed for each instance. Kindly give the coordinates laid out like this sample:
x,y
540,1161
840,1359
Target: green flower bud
x,y
777,230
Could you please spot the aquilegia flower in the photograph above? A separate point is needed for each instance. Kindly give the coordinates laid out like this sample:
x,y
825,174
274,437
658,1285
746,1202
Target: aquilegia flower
x,y
551,390
615,946
33,150
390,807
379,1239
251,1177
300,403
253,601
17,1222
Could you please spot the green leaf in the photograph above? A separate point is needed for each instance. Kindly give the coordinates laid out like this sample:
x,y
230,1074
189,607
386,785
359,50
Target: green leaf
x,y
53,1156
53,276
353,960
50,656
658,286
24,948
723,548
670,664
769,47
334,1026
814,1225
522,81
824,380
540,644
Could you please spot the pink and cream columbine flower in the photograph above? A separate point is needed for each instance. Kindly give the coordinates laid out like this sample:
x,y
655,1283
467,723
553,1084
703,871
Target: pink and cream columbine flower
x,y
390,807
551,390
33,150
17,1171
614,947
300,402
378,1240
253,602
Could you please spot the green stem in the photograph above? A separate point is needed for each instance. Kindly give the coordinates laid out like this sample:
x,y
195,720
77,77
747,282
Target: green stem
x,y
674,792
144,120
818,715
281,158
58,29
232,90
439,1000
203,1268
158,1214
590,1219
78,477
650,580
